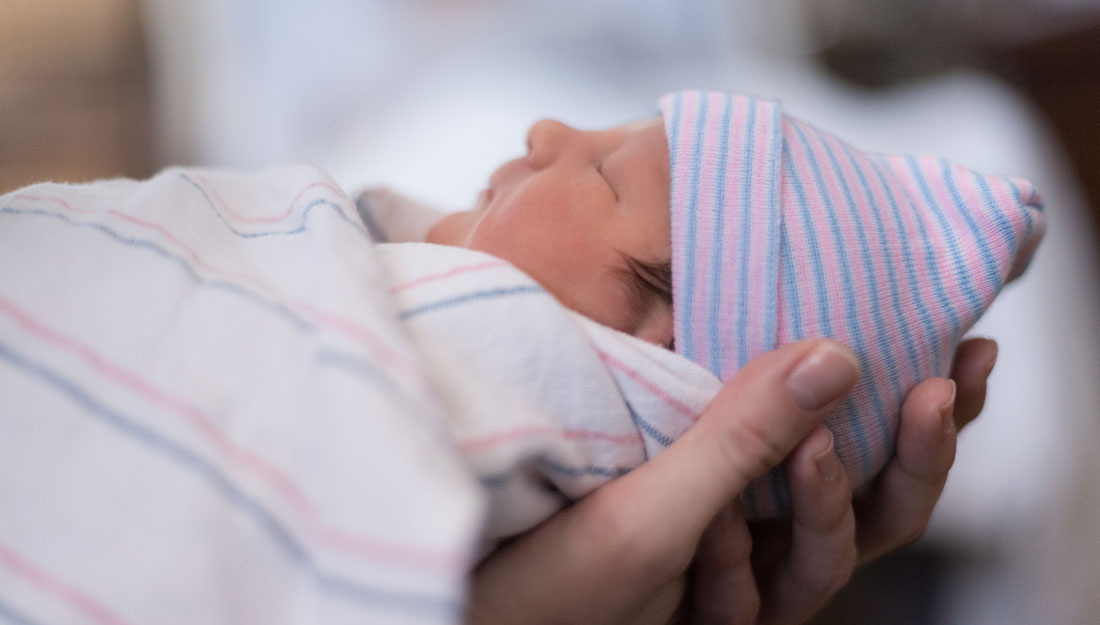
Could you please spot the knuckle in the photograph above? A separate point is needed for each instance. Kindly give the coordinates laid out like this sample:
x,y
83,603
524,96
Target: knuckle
x,y
824,582
624,540
751,449
837,516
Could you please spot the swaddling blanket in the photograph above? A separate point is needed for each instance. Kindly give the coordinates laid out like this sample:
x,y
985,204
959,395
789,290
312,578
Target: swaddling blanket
x,y
219,402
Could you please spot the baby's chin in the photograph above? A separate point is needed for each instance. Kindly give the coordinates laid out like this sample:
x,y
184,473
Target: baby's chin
x,y
454,229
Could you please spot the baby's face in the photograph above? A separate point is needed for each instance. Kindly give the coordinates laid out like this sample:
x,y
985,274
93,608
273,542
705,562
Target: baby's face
x,y
586,214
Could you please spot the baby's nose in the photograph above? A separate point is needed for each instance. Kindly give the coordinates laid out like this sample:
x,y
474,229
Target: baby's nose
x,y
544,141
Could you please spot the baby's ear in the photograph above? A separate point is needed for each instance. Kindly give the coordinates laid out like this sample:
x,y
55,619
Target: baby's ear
x,y
394,218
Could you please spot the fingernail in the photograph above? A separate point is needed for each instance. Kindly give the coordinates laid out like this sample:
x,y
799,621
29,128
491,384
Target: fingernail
x,y
825,374
947,411
825,460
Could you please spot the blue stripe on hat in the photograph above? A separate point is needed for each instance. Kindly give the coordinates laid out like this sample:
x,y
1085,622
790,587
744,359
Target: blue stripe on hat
x,y
907,256
952,245
891,270
1005,229
852,316
1027,209
819,278
944,302
883,412
775,217
1016,192
811,239
790,292
746,233
865,253
714,296
689,270
988,262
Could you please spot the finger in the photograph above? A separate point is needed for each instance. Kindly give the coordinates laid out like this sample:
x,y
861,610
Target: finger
x,y
724,587
753,423
892,516
628,538
896,510
664,607
974,360
822,551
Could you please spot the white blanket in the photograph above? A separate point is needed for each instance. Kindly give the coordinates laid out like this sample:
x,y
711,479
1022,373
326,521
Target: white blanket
x,y
219,403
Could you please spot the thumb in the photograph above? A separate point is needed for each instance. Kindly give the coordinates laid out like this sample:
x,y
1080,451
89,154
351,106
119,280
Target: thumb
x,y
621,545
752,424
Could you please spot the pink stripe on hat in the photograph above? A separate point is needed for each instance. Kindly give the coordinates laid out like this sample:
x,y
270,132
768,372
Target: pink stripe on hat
x,y
782,232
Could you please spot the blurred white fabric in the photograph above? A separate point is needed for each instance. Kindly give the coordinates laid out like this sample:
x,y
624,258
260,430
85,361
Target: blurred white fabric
x,y
428,97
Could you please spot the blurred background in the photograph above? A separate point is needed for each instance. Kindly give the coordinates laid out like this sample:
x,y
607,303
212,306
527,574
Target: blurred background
x,y
428,96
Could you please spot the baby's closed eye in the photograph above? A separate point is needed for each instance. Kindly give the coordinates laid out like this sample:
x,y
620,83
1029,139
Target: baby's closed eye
x,y
603,174
648,286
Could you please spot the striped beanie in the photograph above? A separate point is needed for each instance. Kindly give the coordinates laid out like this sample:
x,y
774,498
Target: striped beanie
x,y
782,232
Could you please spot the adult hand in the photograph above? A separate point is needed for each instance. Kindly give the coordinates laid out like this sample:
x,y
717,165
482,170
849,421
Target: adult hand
x,y
624,553
797,565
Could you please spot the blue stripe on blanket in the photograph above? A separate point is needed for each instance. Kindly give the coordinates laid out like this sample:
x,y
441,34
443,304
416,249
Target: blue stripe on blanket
x,y
346,360
222,285
647,428
375,598
589,469
375,230
470,297
269,233
9,614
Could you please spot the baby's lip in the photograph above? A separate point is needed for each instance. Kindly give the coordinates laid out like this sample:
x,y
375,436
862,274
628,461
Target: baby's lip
x,y
484,198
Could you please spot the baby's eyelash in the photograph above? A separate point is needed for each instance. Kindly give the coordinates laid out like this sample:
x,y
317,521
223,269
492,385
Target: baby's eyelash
x,y
599,170
644,280
653,278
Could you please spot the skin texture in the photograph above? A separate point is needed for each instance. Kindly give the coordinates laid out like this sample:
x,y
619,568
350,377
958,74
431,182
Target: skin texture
x,y
571,211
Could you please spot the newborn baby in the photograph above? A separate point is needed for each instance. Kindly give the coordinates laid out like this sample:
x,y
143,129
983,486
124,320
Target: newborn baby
x,y
219,370
723,229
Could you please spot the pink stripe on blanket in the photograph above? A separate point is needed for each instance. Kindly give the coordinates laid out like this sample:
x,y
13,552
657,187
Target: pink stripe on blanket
x,y
68,594
477,445
356,543
649,385
339,323
48,198
448,274
181,407
347,326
